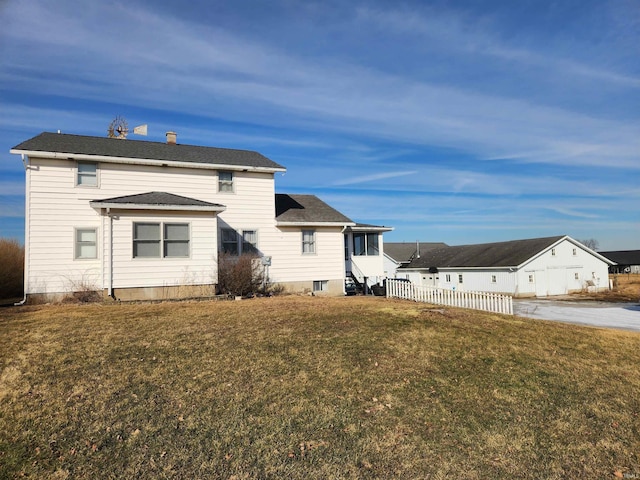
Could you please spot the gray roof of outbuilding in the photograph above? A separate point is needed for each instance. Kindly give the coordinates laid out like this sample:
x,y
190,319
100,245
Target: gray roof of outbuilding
x,y
406,251
144,150
307,209
157,199
500,254
623,257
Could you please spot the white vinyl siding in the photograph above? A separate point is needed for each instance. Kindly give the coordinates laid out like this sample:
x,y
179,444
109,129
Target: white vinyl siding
x,y
87,174
86,246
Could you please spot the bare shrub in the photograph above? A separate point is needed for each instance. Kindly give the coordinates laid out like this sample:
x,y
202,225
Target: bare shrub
x,y
11,268
240,275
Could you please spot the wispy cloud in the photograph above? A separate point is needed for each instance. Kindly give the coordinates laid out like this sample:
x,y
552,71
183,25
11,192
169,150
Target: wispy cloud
x,y
373,177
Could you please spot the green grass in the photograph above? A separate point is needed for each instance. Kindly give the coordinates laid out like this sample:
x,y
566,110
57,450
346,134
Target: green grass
x,y
306,387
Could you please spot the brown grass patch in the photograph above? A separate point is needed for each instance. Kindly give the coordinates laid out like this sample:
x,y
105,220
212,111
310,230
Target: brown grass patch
x,y
309,387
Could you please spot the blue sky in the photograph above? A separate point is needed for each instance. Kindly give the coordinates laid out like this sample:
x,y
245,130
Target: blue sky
x,y
461,122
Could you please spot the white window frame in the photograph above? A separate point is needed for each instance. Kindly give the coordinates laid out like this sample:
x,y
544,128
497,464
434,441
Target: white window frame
x,y
308,246
531,278
321,285
79,175
162,241
78,243
448,278
459,278
226,185
576,276
493,279
575,252
553,252
167,241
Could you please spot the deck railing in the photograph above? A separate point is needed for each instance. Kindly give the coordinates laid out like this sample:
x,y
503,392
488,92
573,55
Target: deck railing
x,y
489,302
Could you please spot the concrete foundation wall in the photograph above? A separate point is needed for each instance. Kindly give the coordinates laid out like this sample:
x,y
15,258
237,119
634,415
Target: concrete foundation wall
x,y
334,288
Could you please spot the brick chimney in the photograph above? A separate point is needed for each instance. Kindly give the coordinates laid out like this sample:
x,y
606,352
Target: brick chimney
x,y
171,138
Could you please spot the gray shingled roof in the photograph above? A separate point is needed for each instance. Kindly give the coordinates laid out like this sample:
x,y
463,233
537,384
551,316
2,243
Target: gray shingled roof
x,y
406,251
160,199
500,254
306,209
113,147
623,257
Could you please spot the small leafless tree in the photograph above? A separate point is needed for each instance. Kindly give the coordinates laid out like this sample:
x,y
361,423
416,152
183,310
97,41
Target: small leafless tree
x,y
591,243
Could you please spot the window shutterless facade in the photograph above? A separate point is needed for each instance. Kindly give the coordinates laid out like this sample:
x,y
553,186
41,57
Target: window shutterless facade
x,y
230,241
308,241
87,174
166,240
225,182
86,245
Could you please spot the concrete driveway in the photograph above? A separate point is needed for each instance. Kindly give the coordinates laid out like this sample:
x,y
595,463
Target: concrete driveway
x,y
598,314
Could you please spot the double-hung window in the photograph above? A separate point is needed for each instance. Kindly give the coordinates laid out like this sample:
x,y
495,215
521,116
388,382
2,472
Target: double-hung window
x,y
86,245
230,241
308,241
249,241
155,240
235,243
146,240
225,182
87,174
176,240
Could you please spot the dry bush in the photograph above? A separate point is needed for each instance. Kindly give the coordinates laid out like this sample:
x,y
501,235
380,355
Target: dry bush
x,y
11,268
240,275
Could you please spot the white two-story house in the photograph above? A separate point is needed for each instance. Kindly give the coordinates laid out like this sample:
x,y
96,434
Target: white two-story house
x,y
148,220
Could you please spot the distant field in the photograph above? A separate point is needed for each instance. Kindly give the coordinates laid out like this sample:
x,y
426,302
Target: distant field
x,y
308,387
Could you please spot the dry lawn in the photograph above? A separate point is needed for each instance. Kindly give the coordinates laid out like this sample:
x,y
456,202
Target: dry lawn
x,y
306,387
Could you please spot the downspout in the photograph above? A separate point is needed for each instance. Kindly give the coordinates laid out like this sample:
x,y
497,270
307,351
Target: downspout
x,y
26,231
110,249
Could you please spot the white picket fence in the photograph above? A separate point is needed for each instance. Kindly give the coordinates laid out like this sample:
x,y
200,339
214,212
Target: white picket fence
x,y
489,302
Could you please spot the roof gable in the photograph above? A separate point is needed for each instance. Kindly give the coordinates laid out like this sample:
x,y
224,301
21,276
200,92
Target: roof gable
x,y
307,209
66,144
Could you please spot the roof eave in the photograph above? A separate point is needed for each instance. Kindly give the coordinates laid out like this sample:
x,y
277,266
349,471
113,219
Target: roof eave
x,y
371,229
139,206
144,161
314,224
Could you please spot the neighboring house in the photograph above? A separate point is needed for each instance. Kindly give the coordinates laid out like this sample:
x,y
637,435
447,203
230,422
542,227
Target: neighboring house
x,y
397,254
141,219
627,261
537,267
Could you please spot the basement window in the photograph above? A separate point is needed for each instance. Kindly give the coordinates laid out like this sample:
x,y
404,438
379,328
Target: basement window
x,y
320,285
